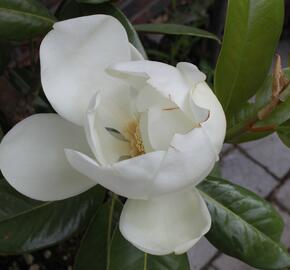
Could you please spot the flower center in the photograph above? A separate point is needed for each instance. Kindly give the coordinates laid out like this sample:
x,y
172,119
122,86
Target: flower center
x,y
133,135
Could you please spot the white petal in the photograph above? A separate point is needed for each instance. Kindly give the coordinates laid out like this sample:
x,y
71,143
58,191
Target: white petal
x,y
33,161
163,124
104,113
215,126
170,82
135,54
148,97
166,224
191,73
167,80
73,58
130,178
189,160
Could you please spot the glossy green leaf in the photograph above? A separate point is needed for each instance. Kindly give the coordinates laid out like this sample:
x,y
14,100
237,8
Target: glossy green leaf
x,y
125,256
238,120
94,249
112,10
284,133
175,29
244,225
252,31
26,225
23,19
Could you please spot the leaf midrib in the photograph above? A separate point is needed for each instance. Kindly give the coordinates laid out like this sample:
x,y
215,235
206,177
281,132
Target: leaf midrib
x,y
240,218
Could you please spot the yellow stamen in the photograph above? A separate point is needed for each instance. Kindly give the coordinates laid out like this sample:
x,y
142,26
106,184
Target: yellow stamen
x,y
133,135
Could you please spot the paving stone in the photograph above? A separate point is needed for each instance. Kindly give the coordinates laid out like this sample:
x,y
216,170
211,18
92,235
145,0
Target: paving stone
x,y
225,262
242,171
283,194
286,235
200,254
271,152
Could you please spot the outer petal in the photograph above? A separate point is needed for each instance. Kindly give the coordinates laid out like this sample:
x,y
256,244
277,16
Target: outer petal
x,y
73,58
215,126
130,178
189,160
166,224
135,54
33,161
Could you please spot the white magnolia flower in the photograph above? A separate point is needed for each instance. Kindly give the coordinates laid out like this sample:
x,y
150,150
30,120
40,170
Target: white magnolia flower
x,y
144,130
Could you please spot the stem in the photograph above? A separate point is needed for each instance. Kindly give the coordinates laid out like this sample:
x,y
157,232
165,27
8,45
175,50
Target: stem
x,y
111,214
145,261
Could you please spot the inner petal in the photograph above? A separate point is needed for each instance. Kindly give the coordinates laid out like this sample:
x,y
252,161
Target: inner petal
x,y
163,124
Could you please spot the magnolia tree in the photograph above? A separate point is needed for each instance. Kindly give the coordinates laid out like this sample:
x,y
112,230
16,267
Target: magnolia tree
x,y
127,157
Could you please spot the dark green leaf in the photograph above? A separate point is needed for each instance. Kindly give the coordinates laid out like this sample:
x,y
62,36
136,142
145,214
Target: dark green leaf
x,y
69,9
4,56
23,19
112,10
27,225
125,256
244,225
284,133
252,32
93,252
175,29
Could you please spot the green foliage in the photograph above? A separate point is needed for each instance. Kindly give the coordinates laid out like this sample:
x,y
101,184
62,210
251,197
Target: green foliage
x,y
27,225
175,29
244,225
252,32
23,19
284,133
238,120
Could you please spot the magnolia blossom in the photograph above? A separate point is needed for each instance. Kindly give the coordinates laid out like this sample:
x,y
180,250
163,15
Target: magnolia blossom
x,y
144,130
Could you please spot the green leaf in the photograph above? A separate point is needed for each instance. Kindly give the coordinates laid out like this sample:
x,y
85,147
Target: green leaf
x,y
27,225
68,9
244,225
284,133
4,56
23,19
125,256
175,29
95,246
238,120
112,10
252,31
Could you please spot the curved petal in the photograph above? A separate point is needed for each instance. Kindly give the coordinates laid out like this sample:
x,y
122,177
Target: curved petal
x,y
131,178
105,113
33,161
170,82
215,125
189,160
166,79
74,56
135,54
166,224
163,124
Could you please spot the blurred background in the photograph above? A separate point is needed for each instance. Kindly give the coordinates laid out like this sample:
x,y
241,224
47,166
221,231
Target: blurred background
x,y
262,166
